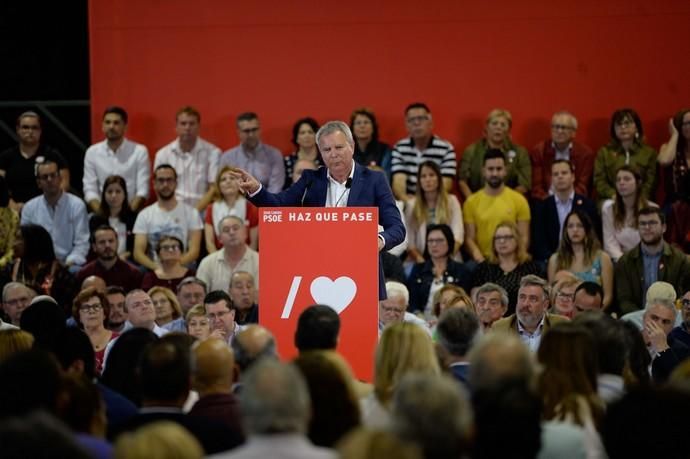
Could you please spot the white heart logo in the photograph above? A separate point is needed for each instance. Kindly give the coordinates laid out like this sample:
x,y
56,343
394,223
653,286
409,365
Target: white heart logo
x,y
337,294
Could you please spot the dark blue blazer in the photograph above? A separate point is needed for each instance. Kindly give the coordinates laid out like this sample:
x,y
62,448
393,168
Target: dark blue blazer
x,y
545,225
369,189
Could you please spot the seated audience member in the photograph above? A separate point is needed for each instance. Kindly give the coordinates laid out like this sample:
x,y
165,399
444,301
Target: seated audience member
x,y
117,315
549,215
116,155
678,232
114,211
260,160
610,349
62,214
682,332
563,296
253,344
108,265
451,296
561,147
45,320
432,205
229,201
276,408
14,341
403,348
456,332
364,443
90,310
673,158
94,281
579,253
120,374
495,203
16,297
300,166
221,312
198,324
335,409
627,147
165,379
170,270
644,414
491,303
369,150
168,217
195,160
141,313
317,329
496,137
304,139
159,439
394,308
190,292
438,269
432,412
34,434
507,263
421,145
589,296
651,260
530,321
9,223
619,215
168,310
392,266
18,163
568,381
217,268
243,293
213,374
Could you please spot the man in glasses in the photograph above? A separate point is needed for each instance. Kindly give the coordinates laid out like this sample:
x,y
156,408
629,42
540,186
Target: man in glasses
x,y
561,146
221,311
650,261
262,161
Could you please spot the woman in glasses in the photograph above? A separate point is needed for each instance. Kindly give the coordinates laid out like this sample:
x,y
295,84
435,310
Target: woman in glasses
x,y
90,310
171,270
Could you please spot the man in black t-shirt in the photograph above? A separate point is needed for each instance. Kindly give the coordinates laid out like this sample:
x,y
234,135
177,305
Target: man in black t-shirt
x,y
18,163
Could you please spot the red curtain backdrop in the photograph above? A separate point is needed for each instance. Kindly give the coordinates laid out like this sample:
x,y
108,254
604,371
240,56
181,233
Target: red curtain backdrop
x,y
287,59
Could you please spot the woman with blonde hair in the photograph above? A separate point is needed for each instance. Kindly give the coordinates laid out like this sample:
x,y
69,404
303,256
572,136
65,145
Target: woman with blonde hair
x,y
13,341
198,324
168,309
403,348
229,201
507,263
159,440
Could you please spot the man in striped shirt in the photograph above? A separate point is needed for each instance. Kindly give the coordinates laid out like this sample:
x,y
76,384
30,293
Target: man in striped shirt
x,y
422,145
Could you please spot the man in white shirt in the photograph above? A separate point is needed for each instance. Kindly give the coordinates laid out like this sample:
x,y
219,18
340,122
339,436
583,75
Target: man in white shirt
x,y
194,159
62,214
216,268
141,313
116,155
166,217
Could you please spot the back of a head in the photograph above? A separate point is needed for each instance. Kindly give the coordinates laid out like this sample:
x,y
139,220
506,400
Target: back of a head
x,y
335,409
13,341
29,381
81,407
74,347
253,344
457,329
568,349
274,399
212,366
159,440
500,356
433,412
45,320
38,436
375,444
609,339
164,372
318,327
507,419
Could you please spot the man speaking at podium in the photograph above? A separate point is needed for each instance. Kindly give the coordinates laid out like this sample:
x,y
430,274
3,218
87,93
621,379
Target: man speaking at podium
x,y
341,183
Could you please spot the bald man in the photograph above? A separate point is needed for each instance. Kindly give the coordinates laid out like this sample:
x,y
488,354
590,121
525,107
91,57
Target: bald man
x,y
213,375
251,344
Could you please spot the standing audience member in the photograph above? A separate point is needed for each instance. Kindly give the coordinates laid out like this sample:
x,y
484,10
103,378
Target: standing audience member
x,y
369,149
304,140
114,211
195,160
627,147
116,155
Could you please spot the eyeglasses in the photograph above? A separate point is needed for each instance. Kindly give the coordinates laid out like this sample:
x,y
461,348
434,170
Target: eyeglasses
x,y
170,247
507,237
95,307
561,127
565,296
417,119
217,315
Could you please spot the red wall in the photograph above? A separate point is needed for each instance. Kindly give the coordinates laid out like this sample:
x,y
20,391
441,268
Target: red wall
x,y
287,58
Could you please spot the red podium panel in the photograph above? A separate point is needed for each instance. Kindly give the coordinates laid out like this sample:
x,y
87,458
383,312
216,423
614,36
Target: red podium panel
x,y
327,256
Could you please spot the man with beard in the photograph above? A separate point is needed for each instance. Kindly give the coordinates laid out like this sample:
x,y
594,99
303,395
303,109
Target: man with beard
x,y
167,217
530,320
492,205
117,315
107,265
651,261
116,155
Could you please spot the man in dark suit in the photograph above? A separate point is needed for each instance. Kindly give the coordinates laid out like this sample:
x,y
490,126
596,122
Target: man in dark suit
x,y
456,332
341,183
549,214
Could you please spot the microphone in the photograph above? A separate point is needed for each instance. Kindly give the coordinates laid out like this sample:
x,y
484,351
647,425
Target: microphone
x,y
306,189
348,185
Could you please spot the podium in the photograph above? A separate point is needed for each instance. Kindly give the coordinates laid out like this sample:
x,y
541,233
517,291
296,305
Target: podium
x,y
321,255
